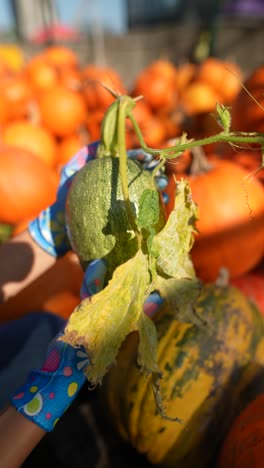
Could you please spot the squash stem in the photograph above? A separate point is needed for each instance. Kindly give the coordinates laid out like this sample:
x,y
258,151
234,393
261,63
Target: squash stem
x,y
232,137
121,142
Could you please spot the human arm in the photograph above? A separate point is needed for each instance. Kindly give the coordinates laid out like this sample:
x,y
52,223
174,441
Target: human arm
x,y
18,437
36,399
24,261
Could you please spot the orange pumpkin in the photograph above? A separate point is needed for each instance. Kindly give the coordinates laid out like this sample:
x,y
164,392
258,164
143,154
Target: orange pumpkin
x,y
71,78
231,220
165,69
61,57
93,124
223,76
153,131
68,147
5,69
96,96
252,285
53,66
62,110
253,119
141,112
41,74
187,72
199,97
17,94
34,138
250,159
157,83
244,443
3,112
27,185
152,126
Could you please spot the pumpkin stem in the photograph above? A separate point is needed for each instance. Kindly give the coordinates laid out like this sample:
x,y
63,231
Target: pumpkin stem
x,y
232,137
121,143
222,281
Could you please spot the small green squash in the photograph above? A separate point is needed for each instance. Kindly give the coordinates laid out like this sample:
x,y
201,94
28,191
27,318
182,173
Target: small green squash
x,y
96,215
206,365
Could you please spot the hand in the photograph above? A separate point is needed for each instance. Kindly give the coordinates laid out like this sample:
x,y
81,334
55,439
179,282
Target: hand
x,y
93,282
49,391
48,230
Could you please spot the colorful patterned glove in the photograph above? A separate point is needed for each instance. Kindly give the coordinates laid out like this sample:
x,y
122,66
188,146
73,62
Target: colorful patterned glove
x,y
93,282
50,390
48,229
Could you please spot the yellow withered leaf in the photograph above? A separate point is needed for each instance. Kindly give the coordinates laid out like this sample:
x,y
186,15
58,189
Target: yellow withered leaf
x,y
102,322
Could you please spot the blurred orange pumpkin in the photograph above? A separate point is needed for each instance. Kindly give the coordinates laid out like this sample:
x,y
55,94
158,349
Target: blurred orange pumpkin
x,y
68,147
224,77
34,138
247,114
27,185
62,110
93,124
153,131
71,78
186,73
96,96
230,220
41,74
244,443
199,97
17,95
61,57
157,84
3,112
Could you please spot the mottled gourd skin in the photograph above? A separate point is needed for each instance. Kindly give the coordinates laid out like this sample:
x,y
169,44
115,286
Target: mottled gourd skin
x,y
206,369
96,215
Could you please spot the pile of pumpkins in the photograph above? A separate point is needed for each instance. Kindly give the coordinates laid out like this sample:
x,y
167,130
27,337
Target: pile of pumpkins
x,y
54,105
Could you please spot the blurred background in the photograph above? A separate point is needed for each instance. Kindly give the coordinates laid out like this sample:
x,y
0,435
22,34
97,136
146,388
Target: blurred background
x,y
183,57
122,32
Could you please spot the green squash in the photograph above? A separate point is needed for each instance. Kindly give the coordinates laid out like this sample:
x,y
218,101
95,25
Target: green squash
x,y
206,365
96,215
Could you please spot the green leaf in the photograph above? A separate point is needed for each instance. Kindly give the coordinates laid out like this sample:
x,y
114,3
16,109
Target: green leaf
x,y
148,217
148,214
175,240
223,117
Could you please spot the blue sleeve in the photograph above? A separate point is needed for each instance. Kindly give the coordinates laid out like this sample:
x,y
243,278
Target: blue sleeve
x,y
49,230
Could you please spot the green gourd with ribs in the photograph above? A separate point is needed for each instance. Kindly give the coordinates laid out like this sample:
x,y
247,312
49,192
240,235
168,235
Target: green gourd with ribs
x,y
97,219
